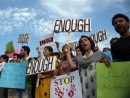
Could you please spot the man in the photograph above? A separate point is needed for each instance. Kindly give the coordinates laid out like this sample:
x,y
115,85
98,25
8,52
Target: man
x,y
12,92
25,93
3,91
121,48
16,58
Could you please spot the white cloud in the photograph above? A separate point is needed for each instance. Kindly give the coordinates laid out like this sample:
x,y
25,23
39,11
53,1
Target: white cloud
x,y
25,20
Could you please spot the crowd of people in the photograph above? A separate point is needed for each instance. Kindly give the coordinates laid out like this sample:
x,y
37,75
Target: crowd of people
x,y
87,55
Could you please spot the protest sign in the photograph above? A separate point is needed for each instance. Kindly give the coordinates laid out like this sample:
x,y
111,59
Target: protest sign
x,y
66,86
72,25
11,54
43,65
9,47
24,38
99,36
113,82
13,75
48,40
73,45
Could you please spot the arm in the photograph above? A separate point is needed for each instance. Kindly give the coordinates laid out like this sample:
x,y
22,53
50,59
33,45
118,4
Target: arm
x,y
39,53
69,59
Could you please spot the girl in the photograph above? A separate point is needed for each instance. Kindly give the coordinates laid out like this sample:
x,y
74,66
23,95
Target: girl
x,y
43,91
86,63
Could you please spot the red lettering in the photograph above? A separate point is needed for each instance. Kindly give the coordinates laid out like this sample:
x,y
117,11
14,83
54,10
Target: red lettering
x,y
48,40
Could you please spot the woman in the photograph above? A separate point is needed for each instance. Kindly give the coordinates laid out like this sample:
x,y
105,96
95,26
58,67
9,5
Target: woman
x,y
64,67
86,64
43,91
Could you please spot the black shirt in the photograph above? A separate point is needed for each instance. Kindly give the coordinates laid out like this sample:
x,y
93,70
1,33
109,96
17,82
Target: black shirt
x,y
121,49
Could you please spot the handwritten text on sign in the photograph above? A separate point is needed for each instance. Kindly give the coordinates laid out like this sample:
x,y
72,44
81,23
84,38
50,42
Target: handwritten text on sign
x,y
66,86
72,25
13,75
48,40
43,65
115,80
23,38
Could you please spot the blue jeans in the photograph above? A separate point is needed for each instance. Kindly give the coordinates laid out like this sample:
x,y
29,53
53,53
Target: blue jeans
x,y
23,93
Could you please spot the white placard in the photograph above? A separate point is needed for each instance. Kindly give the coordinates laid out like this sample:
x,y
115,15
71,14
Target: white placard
x,y
48,40
43,65
99,36
66,86
24,38
73,45
72,25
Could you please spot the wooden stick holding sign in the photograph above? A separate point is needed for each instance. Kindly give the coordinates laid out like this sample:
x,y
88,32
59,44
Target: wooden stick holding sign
x,y
68,40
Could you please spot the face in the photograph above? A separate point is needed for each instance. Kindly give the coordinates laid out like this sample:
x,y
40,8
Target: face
x,y
15,58
85,43
120,25
2,60
22,52
105,50
46,52
78,52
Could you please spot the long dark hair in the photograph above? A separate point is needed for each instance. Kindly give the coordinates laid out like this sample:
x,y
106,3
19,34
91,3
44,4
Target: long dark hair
x,y
91,41
50,49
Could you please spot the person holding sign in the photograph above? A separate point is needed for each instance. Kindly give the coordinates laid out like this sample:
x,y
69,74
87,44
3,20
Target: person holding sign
x,y
3,91
43,91
121,48
86,63
25,93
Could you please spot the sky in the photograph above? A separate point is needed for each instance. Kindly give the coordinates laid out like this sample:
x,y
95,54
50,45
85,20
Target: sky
x,y
37,17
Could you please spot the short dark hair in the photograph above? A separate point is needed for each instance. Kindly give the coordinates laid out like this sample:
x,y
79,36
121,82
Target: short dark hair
x,y
77,47
18,55
5,57
115,38
119,15
91,41
26,48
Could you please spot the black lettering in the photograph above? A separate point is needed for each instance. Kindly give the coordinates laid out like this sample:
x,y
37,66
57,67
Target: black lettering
x,y
62,25
45,65
29,68
104,34
34,70
80,25
100,36
50,63
73,25
71,78
87,26
60,81
56,83
57,22
68,24
40,65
